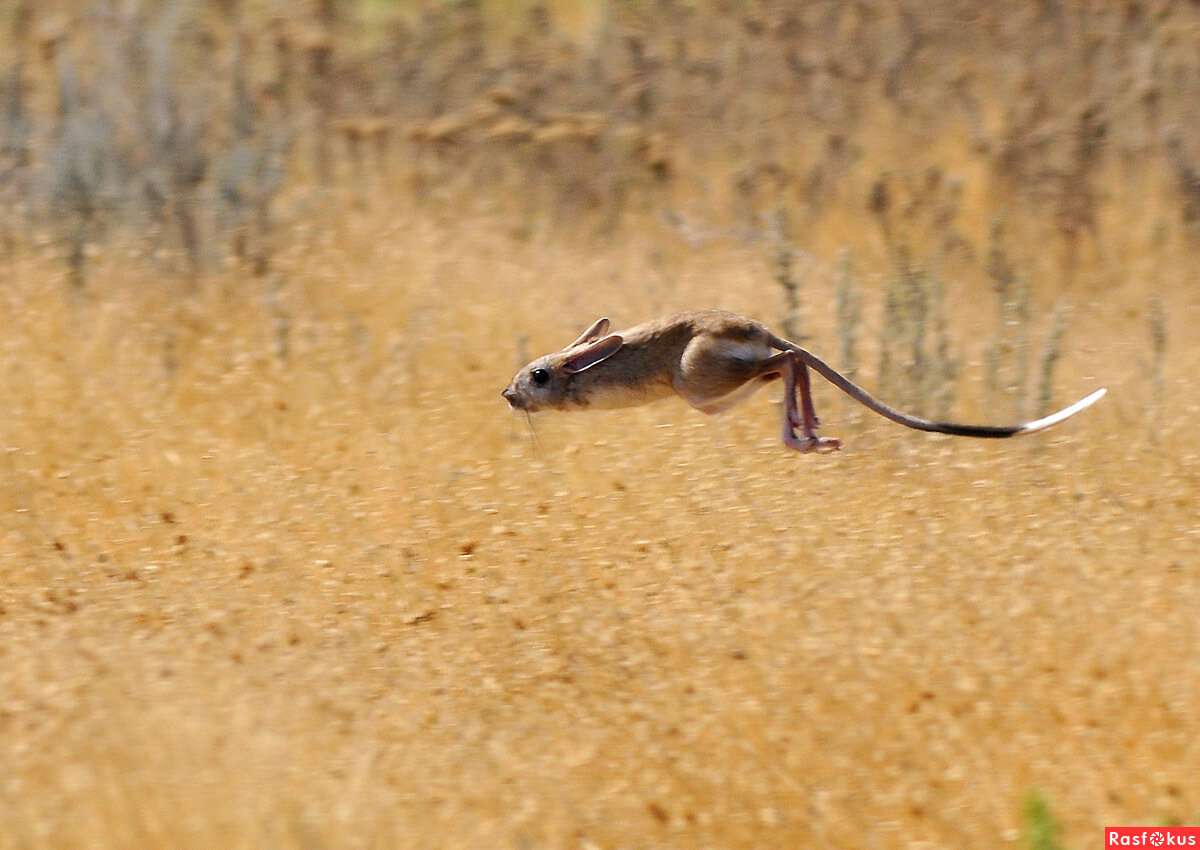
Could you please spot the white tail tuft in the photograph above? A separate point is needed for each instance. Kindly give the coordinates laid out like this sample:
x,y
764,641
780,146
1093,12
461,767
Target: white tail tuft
x,y
1054,418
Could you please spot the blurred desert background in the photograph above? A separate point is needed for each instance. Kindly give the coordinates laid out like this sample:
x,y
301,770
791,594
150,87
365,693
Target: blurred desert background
x,y
278,568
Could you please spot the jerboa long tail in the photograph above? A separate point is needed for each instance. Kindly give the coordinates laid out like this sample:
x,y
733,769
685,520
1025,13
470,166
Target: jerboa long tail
x,y
986,431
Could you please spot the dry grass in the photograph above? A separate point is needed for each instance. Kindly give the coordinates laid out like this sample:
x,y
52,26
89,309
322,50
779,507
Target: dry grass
x,y
280,569
339,599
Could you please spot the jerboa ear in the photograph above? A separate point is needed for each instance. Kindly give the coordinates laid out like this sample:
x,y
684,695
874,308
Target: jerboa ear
x,y
598,329
589,356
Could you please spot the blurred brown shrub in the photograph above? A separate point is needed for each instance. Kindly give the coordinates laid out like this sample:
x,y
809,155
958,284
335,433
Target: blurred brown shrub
x,y
183,126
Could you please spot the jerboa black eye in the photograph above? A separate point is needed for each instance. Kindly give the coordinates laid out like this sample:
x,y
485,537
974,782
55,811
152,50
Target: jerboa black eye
x,y
540,377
